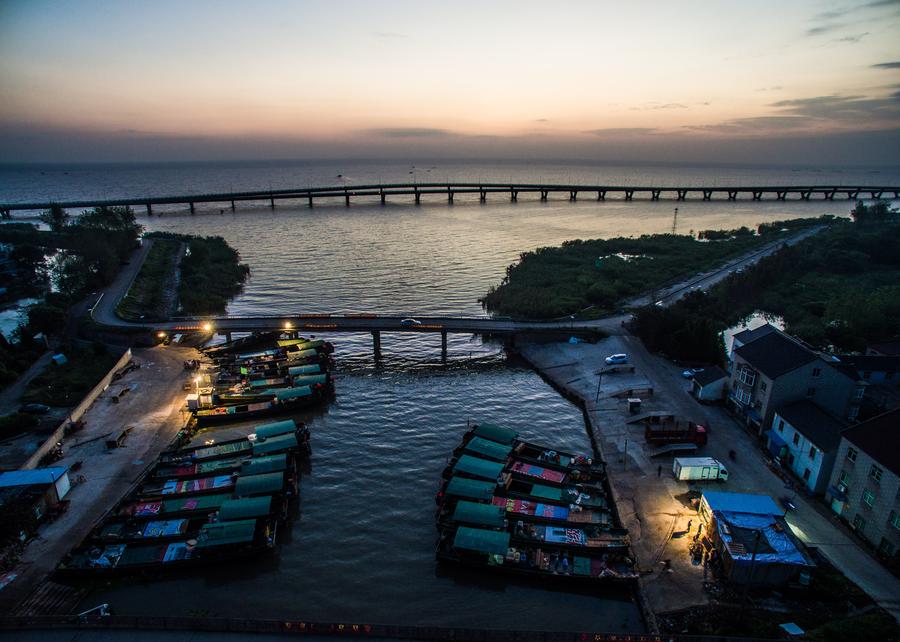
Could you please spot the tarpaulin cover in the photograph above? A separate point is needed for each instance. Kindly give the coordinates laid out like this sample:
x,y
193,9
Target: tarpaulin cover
x,y
478,539
489,449
274,429
531,470
478,467
496,433
482,514
524,507
259,484
559,535
275,444
471,488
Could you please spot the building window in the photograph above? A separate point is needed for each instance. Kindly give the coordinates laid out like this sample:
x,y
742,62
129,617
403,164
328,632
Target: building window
x,y
743,396
747,376
810,392
859,523
806,474
762,386
868,498
859,393
894,520
851,454
876,473
812,452
796,438
885,549
842,482
816,372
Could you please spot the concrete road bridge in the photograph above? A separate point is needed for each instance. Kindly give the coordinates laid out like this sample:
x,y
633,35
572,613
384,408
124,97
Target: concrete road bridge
x,y
449,190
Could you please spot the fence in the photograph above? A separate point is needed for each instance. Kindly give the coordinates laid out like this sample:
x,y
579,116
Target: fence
x,y
76,413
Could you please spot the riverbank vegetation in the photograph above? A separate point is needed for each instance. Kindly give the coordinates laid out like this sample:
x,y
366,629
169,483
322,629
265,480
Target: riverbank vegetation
x,y
837,290
67,384
211,273
152,294
595,276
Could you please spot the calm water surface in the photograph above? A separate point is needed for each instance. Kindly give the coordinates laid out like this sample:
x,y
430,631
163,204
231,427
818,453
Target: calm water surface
x,y
362,548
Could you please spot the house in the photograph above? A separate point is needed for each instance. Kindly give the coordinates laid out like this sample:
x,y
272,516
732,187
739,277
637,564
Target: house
x,y
709,384
874,368
776,369
752,541
885,349
805,439
865,484
54,480
747,336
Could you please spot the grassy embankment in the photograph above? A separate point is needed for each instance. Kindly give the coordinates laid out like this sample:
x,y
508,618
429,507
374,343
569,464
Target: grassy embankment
x,y
149,296
67,384
211,274
592,278
838,290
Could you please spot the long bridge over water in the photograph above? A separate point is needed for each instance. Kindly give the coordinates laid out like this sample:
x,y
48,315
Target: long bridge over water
x,y
449,190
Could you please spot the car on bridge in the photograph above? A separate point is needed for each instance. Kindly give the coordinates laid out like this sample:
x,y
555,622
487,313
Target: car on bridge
x,y
616,358
410,323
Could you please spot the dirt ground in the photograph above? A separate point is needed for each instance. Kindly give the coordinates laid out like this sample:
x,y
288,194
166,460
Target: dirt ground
x,y
152,409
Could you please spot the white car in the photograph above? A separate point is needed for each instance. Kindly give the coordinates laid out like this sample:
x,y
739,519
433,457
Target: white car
x,y
616,358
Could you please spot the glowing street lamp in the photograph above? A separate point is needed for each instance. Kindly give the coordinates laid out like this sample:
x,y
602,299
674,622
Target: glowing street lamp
x,y
160,335
207,327
288,325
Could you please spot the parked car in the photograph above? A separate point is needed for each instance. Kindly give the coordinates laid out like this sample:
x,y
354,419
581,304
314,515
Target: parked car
x,y
408,323
35,409
616,358
690,372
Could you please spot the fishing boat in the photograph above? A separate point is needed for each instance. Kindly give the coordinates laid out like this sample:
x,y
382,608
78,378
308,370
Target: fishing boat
x,y
268,439
214,543
279,402
470,465
251,341
495,550
242,465
170,508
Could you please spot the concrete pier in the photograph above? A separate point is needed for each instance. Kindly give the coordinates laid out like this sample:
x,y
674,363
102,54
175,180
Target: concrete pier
x,y
443,347
376,345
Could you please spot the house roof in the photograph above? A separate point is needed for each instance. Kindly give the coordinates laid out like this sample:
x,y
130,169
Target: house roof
x,y
872,363
820,427
891,348
33,477
742,503
709,375
879,437
776,354
747,336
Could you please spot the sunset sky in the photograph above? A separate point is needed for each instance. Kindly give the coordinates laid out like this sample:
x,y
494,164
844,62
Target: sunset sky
x,y
692,81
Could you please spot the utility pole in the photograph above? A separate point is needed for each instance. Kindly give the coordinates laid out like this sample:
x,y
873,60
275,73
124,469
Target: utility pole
x,y
675,221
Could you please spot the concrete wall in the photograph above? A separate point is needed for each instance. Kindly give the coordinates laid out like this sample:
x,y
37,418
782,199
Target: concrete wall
x,y
858,479
76,413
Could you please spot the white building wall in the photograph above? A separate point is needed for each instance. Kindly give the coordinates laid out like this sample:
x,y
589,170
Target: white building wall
x,y
801,459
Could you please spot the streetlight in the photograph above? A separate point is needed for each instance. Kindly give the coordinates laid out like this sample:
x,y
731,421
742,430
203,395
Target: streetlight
x,y
160,335
207,327
288,325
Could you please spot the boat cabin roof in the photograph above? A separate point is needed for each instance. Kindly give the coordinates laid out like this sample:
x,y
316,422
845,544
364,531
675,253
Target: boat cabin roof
x,y
471,488
310,380
274,429
308,369
259,484
481,514
478,467
222,533
275,444
481,540
293,393
496,433
245,508
266,464
488,448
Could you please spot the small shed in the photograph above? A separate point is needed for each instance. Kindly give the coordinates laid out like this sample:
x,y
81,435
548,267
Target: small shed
x,y
56,477
709,384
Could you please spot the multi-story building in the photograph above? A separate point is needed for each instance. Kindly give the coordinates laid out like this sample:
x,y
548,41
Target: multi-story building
x,y
776,369
805,439
865,484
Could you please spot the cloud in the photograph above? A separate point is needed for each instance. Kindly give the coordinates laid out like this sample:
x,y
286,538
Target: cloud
x,y
774,88
389,35
852,39
818,31
754,125
542,120
851,109
408,132
887,65
621,131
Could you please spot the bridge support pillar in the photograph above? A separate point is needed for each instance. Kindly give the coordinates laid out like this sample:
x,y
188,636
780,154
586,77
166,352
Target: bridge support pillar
x,y
376,345
271,203
482,195
449,195
573,195
629,194
654,194
805,195
149,210
829,196
309,196
732,195
418,197
192,207
757,196
232,206
852,194
876,194
543,195
707,194
227,336
347,199
6,213
682,194
383,197
781,195
443,346
513,195
601,195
